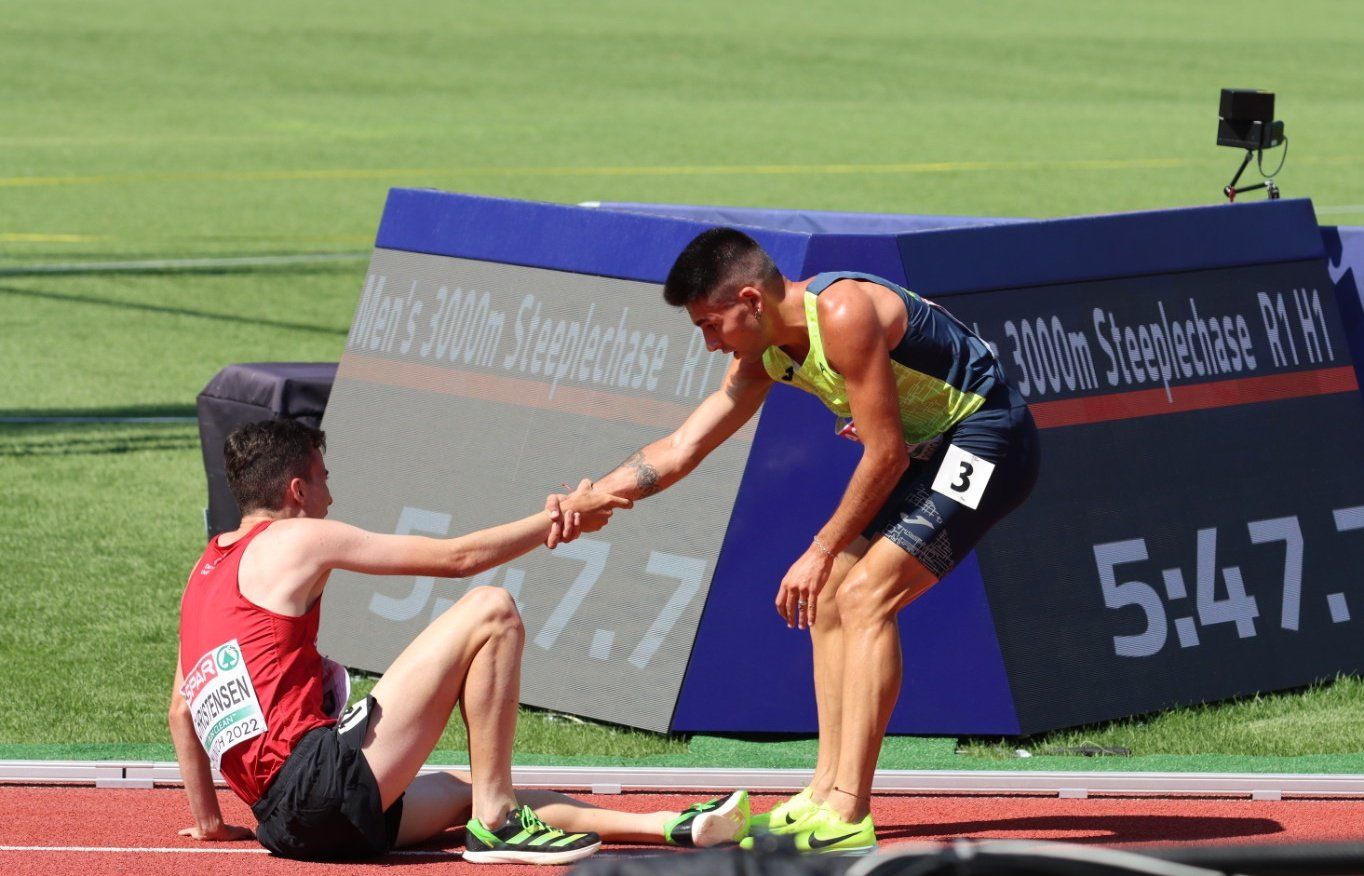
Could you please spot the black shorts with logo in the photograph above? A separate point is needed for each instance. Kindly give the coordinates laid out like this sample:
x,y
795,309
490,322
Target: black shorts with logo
x,y
324,803
930,525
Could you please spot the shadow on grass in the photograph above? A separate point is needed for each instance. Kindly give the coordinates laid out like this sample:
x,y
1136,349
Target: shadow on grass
x,y
173,311
113,413
17,442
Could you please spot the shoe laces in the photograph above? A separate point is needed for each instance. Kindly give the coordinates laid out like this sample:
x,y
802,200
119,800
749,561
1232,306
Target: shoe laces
x,y
532,823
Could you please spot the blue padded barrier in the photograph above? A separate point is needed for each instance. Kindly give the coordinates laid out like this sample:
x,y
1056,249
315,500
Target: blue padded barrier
x,y
964,641
806,221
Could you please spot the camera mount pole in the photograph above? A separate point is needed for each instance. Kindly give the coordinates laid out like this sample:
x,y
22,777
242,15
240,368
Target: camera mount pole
x,y
1231,191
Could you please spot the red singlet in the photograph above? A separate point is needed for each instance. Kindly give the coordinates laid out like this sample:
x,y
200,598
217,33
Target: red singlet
x,y
253,678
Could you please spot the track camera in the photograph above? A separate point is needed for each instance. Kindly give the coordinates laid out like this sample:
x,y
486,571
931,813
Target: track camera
x,y
1246,121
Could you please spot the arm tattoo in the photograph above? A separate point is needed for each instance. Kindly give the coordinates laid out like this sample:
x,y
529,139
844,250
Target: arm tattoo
x,y
646,476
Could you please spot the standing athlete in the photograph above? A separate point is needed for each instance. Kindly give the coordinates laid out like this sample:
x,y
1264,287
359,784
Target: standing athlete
x,y
949,448
251,688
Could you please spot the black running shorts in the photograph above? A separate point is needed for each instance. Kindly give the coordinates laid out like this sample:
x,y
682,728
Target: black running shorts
x,y
931,524
324,803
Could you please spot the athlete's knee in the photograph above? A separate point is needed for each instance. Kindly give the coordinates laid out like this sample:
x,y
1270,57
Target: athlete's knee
x,y
494,607
861,599
827,619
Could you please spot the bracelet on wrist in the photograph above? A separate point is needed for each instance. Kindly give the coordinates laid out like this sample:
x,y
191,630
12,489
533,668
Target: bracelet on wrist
x,y
823,548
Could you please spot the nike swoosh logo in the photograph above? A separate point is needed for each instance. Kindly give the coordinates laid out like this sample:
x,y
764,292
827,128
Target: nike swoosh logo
x,y
817,843
790,372
790,819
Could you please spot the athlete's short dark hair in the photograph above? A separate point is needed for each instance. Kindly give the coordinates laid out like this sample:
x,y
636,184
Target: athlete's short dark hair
x,y
717,261
263,457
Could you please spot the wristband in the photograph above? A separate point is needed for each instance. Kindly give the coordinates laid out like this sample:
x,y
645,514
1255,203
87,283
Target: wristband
x,y
822,547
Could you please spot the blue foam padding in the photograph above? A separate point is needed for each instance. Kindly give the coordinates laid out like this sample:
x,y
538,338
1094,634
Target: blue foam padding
x,y
554,236
1085,248
807,221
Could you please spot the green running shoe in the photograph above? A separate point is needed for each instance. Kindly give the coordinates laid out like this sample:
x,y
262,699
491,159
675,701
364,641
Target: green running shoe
x,y
525,839
824,833
784,815
722,820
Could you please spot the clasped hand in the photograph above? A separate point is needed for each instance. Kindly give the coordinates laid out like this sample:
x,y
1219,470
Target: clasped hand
x,y
583,510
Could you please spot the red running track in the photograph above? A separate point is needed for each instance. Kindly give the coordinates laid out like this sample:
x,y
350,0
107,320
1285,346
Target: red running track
x,y
124,831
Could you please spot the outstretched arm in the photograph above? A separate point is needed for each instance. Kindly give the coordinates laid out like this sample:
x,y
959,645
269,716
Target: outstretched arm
x,y
196,774
346,547
303,550
666,461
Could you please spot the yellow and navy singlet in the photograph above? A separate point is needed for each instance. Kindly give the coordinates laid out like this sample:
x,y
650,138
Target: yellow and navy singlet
x,y
943,371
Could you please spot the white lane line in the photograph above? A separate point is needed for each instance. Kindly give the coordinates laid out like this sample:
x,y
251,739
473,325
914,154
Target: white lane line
x,y
171,850
127,849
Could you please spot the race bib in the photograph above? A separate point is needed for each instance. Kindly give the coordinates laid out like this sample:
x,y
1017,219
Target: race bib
x,y
963,476
223,702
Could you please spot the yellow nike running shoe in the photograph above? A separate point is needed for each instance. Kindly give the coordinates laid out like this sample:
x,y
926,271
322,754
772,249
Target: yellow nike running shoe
x,y
824,833
783,817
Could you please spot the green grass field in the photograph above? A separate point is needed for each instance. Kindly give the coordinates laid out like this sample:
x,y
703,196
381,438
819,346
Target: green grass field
x,y
158,130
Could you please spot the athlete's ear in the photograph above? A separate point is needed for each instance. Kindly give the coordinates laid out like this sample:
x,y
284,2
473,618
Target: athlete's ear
x,y
751,296
296,490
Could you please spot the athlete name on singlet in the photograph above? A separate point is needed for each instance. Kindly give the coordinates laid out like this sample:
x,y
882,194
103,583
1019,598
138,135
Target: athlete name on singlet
x,y
223,702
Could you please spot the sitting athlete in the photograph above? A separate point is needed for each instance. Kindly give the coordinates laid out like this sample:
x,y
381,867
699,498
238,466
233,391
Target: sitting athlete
x,y
250,684
948,449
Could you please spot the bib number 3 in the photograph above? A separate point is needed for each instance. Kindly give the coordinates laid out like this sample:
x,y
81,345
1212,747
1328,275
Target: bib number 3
x,y
963,476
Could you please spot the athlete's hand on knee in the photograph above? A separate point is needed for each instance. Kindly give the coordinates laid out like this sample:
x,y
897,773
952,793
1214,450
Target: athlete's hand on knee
x,y
222,833
799,591
593,509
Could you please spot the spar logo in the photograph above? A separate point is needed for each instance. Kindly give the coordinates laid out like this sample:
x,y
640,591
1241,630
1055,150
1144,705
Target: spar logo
x,y
228,657
203,672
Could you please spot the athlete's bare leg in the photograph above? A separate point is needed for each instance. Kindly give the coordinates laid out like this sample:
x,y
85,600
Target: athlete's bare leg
x,y
576,816
826,637
883,582
433,803
470,654
438,801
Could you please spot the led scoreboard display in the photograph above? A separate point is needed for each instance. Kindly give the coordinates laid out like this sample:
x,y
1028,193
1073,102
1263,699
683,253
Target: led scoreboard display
x,y
1193,534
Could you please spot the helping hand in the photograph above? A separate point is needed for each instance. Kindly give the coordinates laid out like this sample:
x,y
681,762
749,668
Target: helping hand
x,y
590,508
564,527
583,510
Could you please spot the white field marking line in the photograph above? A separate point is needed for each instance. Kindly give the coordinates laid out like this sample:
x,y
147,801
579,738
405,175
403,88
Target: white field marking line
x,y
41,237
12,421
182,264
643,170
622,170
